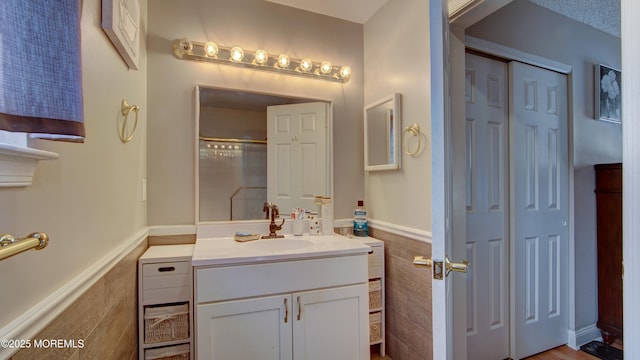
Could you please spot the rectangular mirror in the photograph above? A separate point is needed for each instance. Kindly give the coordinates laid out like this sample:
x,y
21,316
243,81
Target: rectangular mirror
x,y
253,148
381,134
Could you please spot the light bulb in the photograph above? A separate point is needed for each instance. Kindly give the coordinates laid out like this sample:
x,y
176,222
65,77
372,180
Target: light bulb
x,y
306,65
345,72
283,61
237,54
210,49
261,57
326,67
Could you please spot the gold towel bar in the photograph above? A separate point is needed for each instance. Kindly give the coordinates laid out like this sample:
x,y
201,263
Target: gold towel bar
x,y
10,246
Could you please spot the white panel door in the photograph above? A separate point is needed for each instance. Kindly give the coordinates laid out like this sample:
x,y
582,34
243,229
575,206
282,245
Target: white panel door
x,y
487,205
297,163
539,171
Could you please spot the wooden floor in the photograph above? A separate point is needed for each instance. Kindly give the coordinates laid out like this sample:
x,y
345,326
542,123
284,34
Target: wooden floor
x,y
563,353
567,353
559,353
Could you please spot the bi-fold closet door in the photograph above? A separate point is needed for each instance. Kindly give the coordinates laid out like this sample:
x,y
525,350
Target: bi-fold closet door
x,y
517,208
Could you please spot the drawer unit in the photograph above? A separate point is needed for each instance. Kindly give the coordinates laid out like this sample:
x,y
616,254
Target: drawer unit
x,y
165,303
166,281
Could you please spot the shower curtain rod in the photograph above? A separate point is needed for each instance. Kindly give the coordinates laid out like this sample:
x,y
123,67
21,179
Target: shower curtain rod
x,y
243,141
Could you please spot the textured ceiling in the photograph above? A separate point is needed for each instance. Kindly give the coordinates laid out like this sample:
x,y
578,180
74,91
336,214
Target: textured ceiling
x,y
358,11
601,14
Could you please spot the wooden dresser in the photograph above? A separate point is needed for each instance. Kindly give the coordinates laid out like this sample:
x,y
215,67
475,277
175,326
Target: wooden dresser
x,y
609,234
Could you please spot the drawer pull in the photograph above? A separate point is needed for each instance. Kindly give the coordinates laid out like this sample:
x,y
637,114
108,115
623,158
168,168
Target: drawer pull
x,y
370,252
167,269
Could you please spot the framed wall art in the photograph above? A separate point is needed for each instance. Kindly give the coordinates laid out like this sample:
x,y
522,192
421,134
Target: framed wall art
x,y
121,23
608,96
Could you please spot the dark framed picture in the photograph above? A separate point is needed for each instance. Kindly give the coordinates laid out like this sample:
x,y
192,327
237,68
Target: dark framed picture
x,y
608,96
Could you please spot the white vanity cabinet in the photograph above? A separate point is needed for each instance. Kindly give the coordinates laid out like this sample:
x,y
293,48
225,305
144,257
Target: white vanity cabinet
x,y
301,309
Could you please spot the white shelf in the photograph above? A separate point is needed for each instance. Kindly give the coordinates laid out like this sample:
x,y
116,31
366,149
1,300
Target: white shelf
x,y
18,164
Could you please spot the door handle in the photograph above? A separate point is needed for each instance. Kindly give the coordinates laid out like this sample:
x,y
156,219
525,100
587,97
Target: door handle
x,y
441,269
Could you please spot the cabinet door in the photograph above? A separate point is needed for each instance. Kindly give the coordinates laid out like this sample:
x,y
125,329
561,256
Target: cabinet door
x,y
258,328
331,324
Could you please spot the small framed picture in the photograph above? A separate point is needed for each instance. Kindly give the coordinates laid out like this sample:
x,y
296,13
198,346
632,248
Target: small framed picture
x,y
608,96
121,22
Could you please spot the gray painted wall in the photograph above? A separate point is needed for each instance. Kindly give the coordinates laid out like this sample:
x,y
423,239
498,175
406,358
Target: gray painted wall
x,y
396,48
252,24
535,30
89,200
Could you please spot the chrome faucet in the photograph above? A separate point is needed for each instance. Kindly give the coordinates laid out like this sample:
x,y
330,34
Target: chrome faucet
x,y
271,210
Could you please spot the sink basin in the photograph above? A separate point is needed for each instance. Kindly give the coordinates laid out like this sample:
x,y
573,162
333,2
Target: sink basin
x,y
280,244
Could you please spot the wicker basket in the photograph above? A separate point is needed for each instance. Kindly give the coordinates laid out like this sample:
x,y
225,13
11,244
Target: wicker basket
x,y
375,294
375,327
166,323
177,352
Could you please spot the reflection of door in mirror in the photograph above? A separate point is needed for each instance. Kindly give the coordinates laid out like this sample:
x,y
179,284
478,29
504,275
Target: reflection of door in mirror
x,y
232,156
296,154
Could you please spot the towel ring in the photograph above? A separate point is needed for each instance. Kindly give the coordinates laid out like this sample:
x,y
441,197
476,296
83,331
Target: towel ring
x,y
413,130
126,109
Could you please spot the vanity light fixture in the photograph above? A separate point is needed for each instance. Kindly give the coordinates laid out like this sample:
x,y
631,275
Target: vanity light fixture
x,y
185,49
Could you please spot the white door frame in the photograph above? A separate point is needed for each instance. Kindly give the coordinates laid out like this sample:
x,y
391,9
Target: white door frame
x,y
441,300
631,175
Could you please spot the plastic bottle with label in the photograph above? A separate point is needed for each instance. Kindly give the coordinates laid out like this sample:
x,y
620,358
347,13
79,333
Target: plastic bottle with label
x,y
360,224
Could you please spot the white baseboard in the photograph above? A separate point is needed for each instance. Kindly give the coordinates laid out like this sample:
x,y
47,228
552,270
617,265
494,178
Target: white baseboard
x,y
29,324
582,336
411,233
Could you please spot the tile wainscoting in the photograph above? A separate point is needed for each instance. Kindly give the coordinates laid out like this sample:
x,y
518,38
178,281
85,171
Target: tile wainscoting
x,y
408,298
104,317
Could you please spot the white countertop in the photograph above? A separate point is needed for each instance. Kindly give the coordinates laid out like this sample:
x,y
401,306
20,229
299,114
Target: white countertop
x,y
227,251
168,253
